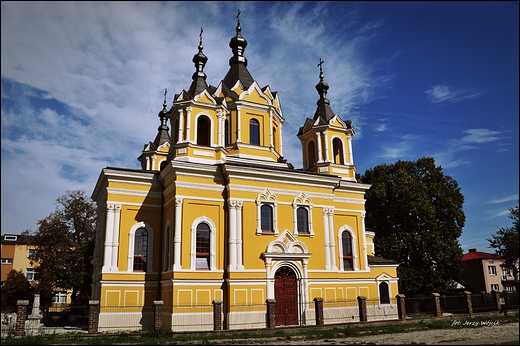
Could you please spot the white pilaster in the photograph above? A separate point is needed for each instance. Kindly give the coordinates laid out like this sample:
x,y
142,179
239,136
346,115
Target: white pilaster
x,y
177,235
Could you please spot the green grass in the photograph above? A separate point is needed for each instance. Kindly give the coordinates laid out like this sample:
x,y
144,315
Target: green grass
x,y
312,333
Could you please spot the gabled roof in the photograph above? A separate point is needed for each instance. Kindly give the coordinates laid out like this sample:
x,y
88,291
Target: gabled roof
x,y
373,260
475,255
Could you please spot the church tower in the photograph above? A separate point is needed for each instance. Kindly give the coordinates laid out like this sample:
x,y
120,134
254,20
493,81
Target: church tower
x,y
327,140
237,120
155,154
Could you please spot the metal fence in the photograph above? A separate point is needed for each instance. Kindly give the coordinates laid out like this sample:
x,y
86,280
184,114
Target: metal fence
x,y
250,316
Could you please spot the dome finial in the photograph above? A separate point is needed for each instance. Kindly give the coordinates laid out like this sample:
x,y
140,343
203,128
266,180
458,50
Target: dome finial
x,y
321,70
164,103
200,40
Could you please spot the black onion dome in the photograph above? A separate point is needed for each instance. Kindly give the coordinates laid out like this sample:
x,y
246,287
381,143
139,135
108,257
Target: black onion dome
x,y
324,111
238,62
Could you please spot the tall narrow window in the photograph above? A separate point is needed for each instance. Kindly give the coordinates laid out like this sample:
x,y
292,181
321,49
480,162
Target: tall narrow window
x,y
175,131
302,220
311,153
140,249
337,148
203,126
275,136
266,212
254,132
226,132
202,246
384,295
346,240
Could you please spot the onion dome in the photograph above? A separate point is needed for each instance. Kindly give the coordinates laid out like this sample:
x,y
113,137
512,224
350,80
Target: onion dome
x,y
199,77
324,111
238,62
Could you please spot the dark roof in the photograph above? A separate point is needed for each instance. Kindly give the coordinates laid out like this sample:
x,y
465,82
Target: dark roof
x,y
20,239
373,260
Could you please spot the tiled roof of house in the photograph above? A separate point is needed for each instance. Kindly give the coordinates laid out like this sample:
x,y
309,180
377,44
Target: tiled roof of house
x,y
473,254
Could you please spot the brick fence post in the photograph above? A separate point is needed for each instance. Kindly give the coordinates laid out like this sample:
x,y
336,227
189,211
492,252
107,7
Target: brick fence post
x,y
401,306
496,300
271,313
318,306
217,315
158,314
469,304
21,317
93,316
437,311
362,302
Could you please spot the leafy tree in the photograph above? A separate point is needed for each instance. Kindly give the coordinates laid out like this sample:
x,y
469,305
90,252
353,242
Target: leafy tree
x,y
16,287
64,248
416,213
505,241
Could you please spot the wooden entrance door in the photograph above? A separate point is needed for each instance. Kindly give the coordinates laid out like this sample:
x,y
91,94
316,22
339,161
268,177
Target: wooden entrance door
x,y
285,294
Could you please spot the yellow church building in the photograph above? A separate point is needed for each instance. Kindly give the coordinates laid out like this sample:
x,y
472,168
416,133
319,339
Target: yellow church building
x,y
216,213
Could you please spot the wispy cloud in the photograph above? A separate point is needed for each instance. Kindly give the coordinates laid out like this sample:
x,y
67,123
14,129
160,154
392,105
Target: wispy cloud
x,y
481,136
509,198
444,93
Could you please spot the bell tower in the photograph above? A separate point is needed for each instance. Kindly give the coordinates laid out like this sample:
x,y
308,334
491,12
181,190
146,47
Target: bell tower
x,y
326,139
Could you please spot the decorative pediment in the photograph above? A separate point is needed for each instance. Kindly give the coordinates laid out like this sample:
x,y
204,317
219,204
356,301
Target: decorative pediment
x,y
287,243
384,276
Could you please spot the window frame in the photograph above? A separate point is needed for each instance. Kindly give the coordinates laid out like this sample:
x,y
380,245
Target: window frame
x,y
384,295
254,132
353,241
492,270
30,274
212,243
266,198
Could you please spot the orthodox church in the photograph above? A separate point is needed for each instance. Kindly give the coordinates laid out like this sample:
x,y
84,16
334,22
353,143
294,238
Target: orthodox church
x,y
216,213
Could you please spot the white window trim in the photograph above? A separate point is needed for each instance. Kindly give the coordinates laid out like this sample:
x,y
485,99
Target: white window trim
x,y
380,281
212,243
304,202
7,261
354,251
211,127
266,198
32,271
149,252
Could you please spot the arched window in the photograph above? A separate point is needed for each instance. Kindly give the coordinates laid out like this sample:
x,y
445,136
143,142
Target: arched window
x,y
311,153
254,132
203,127
266,214
346,242
302,217
384,295
140,249
202,246
337,149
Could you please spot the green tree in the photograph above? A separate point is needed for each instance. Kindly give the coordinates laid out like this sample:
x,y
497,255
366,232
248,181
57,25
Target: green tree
x,y
416,213
64,248
505,241
16,287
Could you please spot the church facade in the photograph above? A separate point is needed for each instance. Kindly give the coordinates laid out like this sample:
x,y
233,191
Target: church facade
x,y
216,213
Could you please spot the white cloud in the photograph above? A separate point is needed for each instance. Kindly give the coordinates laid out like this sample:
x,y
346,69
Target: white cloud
x,y
444,93
481,136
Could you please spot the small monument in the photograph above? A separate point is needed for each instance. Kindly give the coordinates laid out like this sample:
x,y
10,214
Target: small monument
x,y
33,325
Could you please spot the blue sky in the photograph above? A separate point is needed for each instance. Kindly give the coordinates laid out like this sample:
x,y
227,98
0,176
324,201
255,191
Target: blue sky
x,y
83,82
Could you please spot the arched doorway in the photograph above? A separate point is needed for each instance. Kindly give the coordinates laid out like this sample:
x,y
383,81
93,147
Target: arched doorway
x,y
285,294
